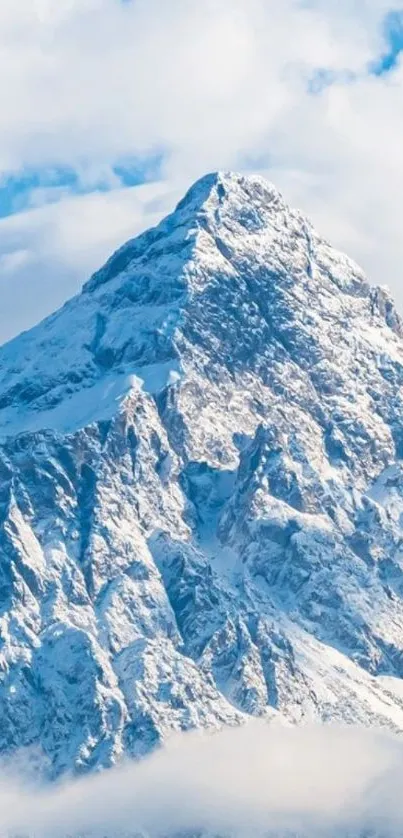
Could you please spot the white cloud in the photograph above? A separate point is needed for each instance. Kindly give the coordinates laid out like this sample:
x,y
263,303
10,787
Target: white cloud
x,y
97,79
46,253
212,84
252,781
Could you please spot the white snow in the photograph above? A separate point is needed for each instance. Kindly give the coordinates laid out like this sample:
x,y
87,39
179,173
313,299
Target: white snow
x,y
229,542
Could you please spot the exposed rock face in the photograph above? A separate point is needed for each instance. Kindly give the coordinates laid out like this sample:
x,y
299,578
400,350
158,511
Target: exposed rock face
x,y
201,489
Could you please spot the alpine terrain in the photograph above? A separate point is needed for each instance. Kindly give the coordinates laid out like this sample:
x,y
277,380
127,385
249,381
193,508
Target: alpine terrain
x,y
201,490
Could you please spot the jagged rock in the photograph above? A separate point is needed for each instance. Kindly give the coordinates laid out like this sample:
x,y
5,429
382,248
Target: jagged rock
x,y
201,493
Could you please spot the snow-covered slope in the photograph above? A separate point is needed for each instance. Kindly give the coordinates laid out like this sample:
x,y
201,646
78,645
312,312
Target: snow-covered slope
x,y
201,489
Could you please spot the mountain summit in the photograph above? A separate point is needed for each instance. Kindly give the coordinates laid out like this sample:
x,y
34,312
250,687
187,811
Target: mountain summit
x,y
201,490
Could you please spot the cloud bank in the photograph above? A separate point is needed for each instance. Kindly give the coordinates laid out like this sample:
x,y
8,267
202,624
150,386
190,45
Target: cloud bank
x,y
252,781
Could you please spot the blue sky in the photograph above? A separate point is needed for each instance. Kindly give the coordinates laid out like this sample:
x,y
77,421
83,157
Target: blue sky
x,y
111,109
392,27
29,187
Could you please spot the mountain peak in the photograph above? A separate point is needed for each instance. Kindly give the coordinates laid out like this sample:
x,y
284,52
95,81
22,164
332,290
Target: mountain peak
x,y
217,186
230,280
215,200
201,501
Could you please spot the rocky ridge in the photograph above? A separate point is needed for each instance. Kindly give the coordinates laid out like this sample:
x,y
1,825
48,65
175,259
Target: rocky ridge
x,y
201,490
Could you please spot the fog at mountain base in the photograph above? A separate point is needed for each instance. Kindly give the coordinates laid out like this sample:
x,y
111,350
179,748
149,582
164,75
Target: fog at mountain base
x,y
253,780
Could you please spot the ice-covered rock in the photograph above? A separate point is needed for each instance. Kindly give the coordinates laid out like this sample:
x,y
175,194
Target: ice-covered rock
x,y
201,490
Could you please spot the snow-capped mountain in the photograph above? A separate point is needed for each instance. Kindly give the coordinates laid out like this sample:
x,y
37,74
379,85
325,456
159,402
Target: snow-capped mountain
x,y
201,488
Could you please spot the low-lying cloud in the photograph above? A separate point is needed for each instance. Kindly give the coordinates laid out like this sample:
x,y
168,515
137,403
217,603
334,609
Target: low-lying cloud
x,y
255,780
